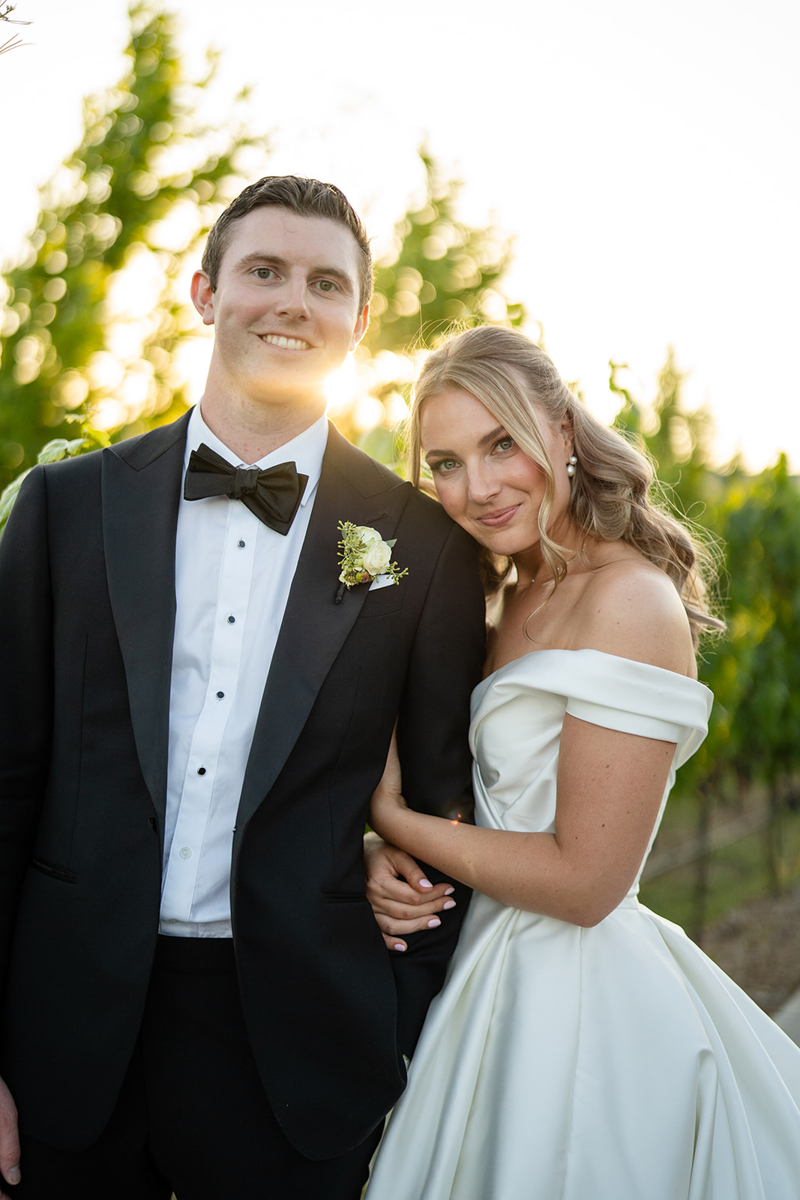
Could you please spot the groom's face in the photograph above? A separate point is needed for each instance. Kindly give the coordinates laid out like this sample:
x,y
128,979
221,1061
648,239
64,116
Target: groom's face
x,y
286,307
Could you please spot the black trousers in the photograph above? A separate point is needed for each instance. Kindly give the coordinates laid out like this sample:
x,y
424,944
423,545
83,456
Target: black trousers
x,y
192,1116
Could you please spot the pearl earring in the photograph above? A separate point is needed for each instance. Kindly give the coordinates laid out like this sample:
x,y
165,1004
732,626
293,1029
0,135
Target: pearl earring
x,y
571,465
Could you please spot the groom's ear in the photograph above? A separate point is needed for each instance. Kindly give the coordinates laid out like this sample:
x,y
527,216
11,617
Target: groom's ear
x,y
360,327
202,295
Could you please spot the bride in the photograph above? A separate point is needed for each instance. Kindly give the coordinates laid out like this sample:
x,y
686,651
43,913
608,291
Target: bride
x,y
582,1047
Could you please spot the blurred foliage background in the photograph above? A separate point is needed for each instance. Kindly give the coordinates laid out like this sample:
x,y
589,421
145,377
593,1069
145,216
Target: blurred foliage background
x,y
98,343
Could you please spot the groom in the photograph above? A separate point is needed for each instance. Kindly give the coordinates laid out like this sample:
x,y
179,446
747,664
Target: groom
x,y
194,715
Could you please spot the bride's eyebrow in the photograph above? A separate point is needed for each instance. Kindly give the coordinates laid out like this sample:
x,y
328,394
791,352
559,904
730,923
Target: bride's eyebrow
x,y
499,431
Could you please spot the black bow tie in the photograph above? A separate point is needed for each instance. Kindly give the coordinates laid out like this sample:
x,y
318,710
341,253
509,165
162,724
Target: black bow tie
x,y
274,495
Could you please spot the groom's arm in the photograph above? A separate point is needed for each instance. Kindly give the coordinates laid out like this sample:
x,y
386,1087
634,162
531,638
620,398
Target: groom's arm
x,y
26,671
446,663
25,729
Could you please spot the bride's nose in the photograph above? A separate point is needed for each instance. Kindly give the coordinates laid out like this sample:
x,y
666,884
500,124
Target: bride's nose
x,y
482,484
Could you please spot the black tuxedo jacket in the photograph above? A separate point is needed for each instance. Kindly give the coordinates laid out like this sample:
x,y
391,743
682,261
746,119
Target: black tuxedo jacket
x,y
87,606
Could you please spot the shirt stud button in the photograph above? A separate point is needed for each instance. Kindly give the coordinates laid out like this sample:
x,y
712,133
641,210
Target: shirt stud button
x,y
240,544
201,770
231,620
220,695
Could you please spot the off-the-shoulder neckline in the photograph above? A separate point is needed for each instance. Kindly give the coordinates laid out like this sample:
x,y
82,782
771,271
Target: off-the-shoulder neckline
x,y
588,650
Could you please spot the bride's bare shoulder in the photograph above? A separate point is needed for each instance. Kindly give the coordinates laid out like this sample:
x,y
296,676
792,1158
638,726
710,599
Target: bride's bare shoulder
x,y
631,608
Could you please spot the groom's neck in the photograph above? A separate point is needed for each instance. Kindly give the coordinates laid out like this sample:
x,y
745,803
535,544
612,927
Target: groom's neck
x,y
253,431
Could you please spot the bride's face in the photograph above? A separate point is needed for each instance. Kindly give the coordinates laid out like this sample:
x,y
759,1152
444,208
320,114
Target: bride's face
x,y
483,479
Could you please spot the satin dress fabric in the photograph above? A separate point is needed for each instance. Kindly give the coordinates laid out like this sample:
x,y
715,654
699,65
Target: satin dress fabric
x,y
610,1063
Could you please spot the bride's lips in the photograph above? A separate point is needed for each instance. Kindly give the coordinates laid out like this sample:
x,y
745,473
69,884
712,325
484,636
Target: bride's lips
x,y
500,517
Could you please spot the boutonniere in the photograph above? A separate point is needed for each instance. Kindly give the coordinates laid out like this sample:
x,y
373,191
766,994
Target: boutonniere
x,y
363,554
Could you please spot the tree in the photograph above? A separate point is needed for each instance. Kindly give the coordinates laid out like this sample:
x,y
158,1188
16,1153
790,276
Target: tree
x,y
437,272
93,320
761,524
15,40
677,439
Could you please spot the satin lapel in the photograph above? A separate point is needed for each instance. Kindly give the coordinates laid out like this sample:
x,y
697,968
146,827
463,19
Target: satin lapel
x,y
314,627
141,493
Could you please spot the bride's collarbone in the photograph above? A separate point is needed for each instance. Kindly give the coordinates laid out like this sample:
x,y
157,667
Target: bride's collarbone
x,y
536,624
541,617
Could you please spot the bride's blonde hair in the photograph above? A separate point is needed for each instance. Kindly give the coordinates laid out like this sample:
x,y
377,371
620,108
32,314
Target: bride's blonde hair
x,y
610,491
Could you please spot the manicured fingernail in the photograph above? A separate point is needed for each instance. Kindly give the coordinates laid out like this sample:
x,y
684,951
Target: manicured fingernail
x,y
449,904
14,1175
449,891
399,946
434,921
425,883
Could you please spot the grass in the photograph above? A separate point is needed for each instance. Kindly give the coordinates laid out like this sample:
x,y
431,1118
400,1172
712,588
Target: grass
x,y
736,873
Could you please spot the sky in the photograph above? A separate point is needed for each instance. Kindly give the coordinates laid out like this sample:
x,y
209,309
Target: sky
x,y
642,154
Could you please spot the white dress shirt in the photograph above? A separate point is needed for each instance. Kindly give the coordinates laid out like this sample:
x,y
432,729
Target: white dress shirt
x,y
232,581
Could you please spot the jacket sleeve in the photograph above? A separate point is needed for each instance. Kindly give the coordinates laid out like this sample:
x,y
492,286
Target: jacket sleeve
x,y
26,690
445,665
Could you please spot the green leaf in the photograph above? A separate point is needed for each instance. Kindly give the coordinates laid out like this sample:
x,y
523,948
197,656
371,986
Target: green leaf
x,y
9,496
60,448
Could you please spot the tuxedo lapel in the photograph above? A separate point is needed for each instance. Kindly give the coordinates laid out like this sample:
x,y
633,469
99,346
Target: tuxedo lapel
x,y
314,628
141,494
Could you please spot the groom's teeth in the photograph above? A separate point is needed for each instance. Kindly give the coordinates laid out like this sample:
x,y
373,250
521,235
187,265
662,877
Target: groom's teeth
x,y
286,343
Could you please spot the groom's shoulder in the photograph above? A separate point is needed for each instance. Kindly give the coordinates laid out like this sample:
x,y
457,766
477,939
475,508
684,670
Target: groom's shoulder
x,y
137,451
144,448
373,478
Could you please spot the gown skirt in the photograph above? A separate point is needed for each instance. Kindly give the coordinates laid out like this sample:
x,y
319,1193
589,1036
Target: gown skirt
x,y
611,1063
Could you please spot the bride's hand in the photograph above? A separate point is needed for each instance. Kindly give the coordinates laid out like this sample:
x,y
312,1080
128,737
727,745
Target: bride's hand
x,y
403,900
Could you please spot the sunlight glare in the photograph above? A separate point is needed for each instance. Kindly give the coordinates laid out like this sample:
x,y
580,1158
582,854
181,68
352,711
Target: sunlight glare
x,y
343,386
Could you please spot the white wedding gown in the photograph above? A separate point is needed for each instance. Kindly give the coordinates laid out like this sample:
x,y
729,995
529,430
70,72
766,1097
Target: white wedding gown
x,y
612,1063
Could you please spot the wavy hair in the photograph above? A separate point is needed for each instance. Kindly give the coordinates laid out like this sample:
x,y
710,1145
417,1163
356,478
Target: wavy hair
x,y
610,492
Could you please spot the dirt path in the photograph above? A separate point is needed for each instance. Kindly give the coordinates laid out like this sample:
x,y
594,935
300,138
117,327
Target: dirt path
x,y
758,945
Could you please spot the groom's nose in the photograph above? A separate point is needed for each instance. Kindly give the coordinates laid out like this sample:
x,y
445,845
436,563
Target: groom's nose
x,y
292,298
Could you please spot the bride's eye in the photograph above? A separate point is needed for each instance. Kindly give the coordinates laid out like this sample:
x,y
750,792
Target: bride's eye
x,y
504,443
444,464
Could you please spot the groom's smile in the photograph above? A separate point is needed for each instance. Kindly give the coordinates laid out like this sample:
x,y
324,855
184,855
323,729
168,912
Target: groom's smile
x,y
286,343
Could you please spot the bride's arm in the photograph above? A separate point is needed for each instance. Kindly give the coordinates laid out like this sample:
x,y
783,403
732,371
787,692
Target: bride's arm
x,y
610,787
403,900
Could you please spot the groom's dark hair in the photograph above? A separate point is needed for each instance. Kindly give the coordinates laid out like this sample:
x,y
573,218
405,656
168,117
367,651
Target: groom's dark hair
x,y
307,198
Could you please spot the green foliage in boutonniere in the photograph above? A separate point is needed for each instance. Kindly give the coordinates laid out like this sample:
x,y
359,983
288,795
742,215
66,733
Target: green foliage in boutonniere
x,y
364,554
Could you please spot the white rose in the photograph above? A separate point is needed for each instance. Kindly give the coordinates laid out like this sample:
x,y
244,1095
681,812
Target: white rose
x,y
377,558
368,535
